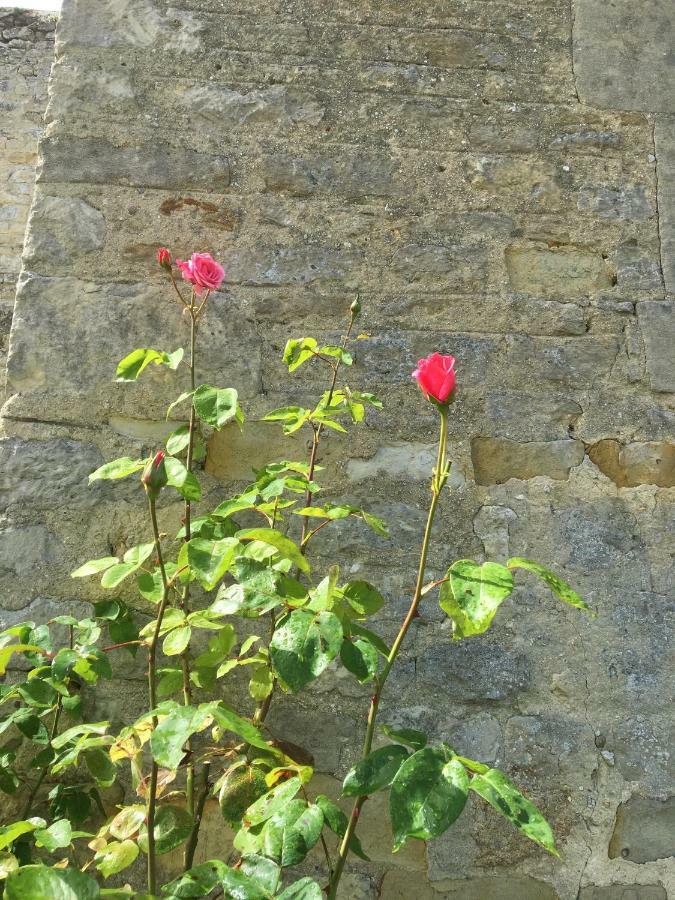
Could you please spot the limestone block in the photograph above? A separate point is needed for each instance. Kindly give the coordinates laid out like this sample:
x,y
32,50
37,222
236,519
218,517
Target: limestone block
x,y
495,460
630,202
47,474
623,892
60,228
99,161
610,69
644,830
504,887
664,143
60,320
650,462
480,669
657,323
572,271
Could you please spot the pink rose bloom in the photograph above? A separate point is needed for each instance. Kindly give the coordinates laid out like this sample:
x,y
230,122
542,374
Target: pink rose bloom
x,y
436,377
202,271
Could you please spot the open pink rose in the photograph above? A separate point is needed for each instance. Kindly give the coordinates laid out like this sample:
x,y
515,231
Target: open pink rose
x,y
436,377
202,271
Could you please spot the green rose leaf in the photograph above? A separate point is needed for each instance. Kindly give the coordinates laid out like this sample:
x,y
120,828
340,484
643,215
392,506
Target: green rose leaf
x,y
336,819
505,797
293,417
117,468
472,595
427,795
8,864
100,766
303,645
280,542
31,882
178,440
217,406
198,881
292,832
58,835
132,561
375,771
363,598
185,482
408,736
305,889
10,833
360,658
179,724
132,365
173,825
127,822
94,566
263,871
210,560
297,351
176,641
272,802
115,857
229,721
357,629
560,588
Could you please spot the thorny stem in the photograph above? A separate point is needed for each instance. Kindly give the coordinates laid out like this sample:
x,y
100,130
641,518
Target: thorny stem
x,y
199,812
317,430
263,709
58,708
152,692
439,478
188,854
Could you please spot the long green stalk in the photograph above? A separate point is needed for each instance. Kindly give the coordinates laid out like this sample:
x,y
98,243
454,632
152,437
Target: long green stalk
x,y
152,694
439,478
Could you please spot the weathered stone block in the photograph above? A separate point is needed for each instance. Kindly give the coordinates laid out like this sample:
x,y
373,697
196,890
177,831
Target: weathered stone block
x,y
46,474
59,228
496,460
623,892
61,320
479,669
566,271
644,830
504,887
158,165
610,69
657,323
651,462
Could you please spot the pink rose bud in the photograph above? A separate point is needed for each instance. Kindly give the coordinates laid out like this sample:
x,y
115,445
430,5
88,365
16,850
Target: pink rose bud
x,y
436,378
202,271
164,258
154,475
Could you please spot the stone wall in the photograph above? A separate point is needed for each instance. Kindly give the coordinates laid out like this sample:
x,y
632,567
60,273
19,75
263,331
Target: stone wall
x,y
497,180
26,51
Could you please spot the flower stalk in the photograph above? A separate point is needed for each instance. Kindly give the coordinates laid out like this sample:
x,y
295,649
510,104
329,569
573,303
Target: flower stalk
x,y
152,695
438,481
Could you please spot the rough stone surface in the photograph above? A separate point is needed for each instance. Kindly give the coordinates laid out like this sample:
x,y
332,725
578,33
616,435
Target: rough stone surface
x,y
624,892
497,180
644,830
26,50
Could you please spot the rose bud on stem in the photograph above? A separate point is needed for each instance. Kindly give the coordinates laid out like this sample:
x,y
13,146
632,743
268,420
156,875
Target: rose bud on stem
x,y
154,476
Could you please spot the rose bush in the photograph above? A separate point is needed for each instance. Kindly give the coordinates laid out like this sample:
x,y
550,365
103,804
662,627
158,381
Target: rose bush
x,y
246,559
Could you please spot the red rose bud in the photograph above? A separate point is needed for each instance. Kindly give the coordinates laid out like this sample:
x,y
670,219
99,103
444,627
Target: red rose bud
x,y
154,475
436,377
164,258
